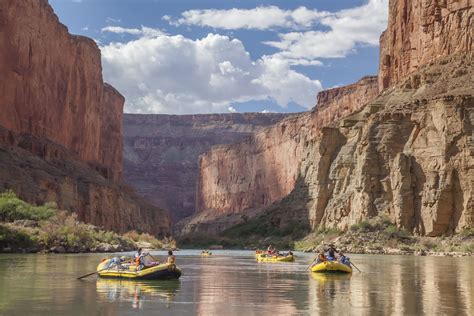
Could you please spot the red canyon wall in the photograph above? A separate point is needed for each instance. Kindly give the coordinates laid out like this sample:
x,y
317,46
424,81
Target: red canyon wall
x,y
161,152
356,156
61,125
420,31
51,85
264,168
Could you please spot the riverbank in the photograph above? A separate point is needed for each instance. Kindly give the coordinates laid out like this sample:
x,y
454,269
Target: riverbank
x,y
374,236
380,236
26,228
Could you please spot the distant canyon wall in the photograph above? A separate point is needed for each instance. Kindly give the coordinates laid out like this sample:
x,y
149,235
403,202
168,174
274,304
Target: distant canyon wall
x,y
61,125
263,169
161,152
406,153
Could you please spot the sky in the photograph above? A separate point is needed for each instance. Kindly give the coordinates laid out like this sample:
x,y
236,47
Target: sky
x,y
202,56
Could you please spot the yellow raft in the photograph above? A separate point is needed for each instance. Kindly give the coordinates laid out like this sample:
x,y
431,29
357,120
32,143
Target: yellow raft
x,y
331,267
158,272
271,258
206,254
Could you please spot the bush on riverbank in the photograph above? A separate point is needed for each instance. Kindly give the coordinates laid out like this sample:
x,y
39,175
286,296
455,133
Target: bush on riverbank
x,y
145,240
380,235
29,228
377,235
12,208
254,233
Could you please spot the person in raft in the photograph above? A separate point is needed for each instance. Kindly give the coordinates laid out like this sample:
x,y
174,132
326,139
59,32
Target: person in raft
x,y
321,258
171,258
270,249
331,252
344,260
138,253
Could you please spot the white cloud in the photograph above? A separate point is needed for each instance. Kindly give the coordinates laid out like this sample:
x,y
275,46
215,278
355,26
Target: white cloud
x,y
231,109
85,28
174,74
143,31
268,111
346,29
341,33
261,18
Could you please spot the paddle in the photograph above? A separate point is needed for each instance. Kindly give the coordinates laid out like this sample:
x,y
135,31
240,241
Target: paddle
x,y
311,263
156,260
89,274
356,267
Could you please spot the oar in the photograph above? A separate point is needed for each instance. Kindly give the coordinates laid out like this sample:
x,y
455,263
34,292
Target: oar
x,y
311,263
86,275
156,260
355,267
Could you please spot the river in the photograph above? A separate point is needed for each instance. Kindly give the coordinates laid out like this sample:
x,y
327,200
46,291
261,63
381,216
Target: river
x,y
233,283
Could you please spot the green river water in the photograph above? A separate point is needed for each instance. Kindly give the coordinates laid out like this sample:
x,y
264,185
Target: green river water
x,y
233,283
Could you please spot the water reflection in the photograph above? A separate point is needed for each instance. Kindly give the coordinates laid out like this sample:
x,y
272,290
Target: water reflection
x,y
232,283
138,292
327,290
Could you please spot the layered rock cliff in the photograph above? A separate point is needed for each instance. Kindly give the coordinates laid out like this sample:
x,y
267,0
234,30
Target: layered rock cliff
x,y
51,85
161,152
61,125
421,31
406,154
264,168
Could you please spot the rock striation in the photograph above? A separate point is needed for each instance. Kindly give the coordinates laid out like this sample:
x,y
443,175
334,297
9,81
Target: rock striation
x,y
264,168
421,31
406,153
51,85
61,125
161,152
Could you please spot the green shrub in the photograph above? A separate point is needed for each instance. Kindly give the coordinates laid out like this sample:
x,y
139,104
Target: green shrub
x,y
136,237
467,233
363,227
12,208
14,238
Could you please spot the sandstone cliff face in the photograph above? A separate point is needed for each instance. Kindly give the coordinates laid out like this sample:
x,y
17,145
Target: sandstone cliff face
x,y
40,171
421,31
51,85
264,168
60,125
161,152
406,154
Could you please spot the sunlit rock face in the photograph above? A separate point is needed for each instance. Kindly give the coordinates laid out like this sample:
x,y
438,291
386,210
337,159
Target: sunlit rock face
x,y
161,152
55,106
406,152
263,169
421,31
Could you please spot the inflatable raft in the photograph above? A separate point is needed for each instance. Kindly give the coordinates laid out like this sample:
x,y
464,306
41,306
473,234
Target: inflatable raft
x,y
157,272
331,267
206,254
273,258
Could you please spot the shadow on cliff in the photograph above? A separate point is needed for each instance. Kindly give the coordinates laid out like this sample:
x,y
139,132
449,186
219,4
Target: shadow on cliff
x,y
282,222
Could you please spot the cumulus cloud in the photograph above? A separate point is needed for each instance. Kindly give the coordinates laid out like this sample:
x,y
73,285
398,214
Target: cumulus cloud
x,y
339,35
231,109
260,18
174,74
346,29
